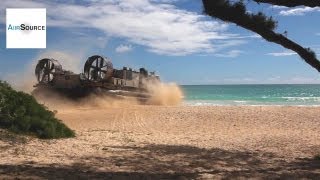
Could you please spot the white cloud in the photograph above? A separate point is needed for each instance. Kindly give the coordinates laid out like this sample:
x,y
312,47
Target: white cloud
x,y
230,54
123,48
164,1
298,11
162,28
292,80
274,79
284,53
267,80
255,36
237,36
304,80
278,7
240,80
317,34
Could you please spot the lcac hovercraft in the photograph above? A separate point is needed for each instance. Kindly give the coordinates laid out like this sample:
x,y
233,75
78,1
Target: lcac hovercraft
x,y
98,76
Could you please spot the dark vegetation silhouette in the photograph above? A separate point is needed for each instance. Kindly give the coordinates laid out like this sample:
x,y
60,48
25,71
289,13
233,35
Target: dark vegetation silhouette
x,y
261,24
21,113
291,3
169,162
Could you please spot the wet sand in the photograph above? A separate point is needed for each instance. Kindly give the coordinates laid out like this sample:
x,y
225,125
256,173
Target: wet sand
x,y
172,142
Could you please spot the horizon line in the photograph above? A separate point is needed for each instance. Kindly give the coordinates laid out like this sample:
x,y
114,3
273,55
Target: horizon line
x,y
250,84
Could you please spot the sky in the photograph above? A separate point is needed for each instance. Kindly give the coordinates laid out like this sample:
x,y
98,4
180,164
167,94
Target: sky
x,y
172,37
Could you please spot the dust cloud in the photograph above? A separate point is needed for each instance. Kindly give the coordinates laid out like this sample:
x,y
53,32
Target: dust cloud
x,y
58,101
161,94
25,79
69,61
168,94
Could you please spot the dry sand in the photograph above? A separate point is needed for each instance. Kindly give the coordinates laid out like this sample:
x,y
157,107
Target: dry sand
x,y
152,142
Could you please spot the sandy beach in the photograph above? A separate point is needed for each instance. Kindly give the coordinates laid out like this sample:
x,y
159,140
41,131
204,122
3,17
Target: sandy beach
x,y
152,142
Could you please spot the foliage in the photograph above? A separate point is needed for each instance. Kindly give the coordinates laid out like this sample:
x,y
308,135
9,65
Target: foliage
x,y
20,113
291,3
236,12
228,11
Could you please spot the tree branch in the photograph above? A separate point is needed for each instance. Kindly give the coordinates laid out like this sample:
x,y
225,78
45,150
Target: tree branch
x,y
291,3
236,13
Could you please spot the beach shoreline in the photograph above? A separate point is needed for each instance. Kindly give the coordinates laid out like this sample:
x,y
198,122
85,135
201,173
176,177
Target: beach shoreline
x,y
173,141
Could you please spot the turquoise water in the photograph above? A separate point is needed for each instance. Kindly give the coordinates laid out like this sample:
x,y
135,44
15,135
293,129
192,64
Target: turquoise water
x,y
297,95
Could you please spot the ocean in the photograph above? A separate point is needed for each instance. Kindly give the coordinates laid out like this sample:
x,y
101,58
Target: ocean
x,y
282,95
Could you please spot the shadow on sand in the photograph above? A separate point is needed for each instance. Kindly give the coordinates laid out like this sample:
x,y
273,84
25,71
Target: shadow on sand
x,y
168,162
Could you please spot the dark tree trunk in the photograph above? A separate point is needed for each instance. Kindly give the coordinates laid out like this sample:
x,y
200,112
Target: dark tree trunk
x,y
223,10
292,3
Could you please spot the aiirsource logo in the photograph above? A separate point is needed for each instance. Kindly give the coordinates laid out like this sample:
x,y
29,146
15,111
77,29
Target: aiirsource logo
x,y
26,27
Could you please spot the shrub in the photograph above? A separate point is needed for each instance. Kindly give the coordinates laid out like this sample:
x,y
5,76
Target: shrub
x,y
21,113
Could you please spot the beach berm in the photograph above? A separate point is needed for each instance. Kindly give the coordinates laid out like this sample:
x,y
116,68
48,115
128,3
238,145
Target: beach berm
x,y
140,141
